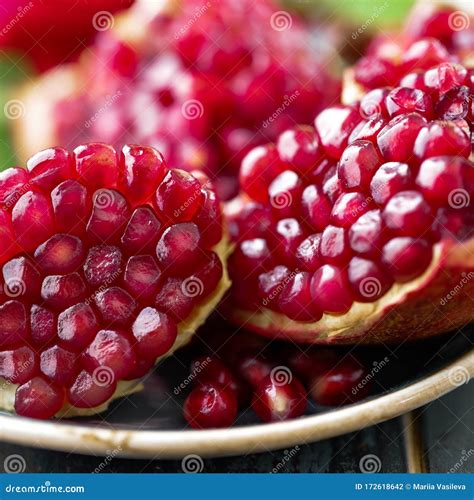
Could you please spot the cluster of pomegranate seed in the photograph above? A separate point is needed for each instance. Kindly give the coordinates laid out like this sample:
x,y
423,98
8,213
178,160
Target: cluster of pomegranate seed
x,y
102,255
202,92
337,213
274,381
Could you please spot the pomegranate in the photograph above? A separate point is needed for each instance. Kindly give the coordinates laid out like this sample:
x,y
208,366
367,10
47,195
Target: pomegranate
x,y
358,229
175,84
89,241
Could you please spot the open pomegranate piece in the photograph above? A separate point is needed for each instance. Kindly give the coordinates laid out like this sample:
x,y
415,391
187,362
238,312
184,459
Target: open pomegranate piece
x,y
110,261
203,93
361,229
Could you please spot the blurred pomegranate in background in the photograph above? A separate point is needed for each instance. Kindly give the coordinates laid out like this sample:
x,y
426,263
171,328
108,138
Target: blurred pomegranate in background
x,y
51,32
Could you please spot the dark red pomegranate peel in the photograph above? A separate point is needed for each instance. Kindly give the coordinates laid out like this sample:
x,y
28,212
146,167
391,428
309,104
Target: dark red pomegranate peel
x,y
86,259
366,240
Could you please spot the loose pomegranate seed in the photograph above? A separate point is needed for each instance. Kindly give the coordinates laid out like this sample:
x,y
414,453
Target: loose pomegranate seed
x,y
19,365
252,368
273,401
155,333
330,290
210,405
406,258
341,384
97,165
38,399
77,326
49,167
62,253
306,364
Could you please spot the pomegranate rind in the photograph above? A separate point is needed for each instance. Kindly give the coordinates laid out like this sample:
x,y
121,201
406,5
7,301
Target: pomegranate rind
x,y
186,330
437,302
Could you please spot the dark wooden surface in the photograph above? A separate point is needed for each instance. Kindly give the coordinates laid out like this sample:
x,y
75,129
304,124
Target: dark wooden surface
x,y
448,439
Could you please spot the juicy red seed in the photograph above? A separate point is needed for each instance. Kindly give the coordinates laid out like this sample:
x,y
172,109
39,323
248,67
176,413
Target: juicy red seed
x,y
49,167
295,299
341,384
143,169
77,326
210,406
179,196
103,265
271,284
414,80
252,368
367,130
372,105
110,350
366,234
310,362
444,77
253,220
334,126
89,391
142,232
61,292
43,324
348,208
19,365
13,323
142,276
115,305
454,105
287,236
406,258
424,54
21,279
390,178
397,138
110,214
71,206
442,138
155,333
316,208
368,281
38,399
178,249
330,290
334,246
173,299
285,193
58,365
375,72
332,186
405,100
97,165
209,219
205,280
12,184
8,244
251,257
62,253
259,167
32,219
440,177
407,214
357,165
274,401
307,254
300,147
